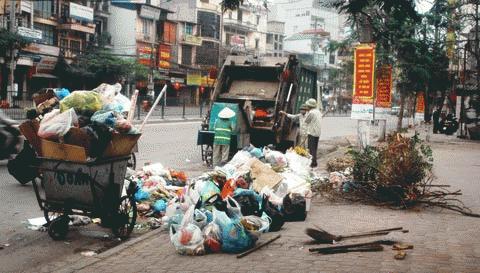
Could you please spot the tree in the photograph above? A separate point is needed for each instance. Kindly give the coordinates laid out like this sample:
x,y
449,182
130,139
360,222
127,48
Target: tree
x,y
235,4
8,42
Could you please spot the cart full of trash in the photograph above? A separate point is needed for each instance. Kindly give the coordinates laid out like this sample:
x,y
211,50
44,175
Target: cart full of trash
x,y
77,149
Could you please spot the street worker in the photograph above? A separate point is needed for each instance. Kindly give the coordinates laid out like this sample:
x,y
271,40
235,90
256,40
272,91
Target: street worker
x,y
300,119
223,133
313,122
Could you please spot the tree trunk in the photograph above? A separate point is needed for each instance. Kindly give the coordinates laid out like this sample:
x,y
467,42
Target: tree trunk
x,y
402,108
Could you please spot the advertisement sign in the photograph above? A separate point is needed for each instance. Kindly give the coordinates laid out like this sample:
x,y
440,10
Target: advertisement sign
x,y
206,81
80,12
46,58
238,41
192,40
150,12
194,79
30,33
145,55
364,67
164,56
383,98
420,107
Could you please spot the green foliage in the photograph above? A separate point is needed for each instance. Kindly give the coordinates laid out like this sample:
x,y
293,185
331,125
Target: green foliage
x,y
9,41
366,162
235,4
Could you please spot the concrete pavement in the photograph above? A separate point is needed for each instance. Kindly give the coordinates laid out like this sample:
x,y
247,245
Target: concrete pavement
x,y
443,241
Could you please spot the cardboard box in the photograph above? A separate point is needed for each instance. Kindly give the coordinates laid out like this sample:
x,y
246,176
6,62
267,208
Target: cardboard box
x,y
121,145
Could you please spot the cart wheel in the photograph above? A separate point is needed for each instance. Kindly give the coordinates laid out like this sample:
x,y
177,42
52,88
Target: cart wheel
x,y
124,220
132,161
58,228
50,216
208,155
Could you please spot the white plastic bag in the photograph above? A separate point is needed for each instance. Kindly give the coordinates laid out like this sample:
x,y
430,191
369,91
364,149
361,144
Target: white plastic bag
x,y
119,104
298,164
240,158
187,240
296,183
108,92
55,124
275,158
156,169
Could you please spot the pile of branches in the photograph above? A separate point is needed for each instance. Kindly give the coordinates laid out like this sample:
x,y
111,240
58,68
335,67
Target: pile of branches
x,y
399,174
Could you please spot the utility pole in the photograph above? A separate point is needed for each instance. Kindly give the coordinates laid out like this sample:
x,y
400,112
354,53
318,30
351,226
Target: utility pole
x,y
13,29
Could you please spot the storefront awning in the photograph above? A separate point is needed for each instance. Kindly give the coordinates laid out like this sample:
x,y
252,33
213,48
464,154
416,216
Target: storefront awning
x,y
44,75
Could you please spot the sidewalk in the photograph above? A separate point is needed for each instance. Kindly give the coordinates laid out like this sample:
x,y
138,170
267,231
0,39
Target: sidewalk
x,y
443,241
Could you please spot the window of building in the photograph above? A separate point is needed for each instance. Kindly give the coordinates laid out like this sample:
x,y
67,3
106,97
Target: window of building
x,y
239,15
207,54
228,37
186,55
75,46
258,19
48,33
275,46
64,43
188,29
209,23
257,43
269,38
280,46
43,9
229,15
169,32
204,1
146,26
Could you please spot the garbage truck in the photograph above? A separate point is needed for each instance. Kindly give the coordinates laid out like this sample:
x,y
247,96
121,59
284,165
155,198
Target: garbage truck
x,y
257,89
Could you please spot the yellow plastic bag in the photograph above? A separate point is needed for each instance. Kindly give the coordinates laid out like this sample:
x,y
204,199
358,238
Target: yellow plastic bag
x,y
82,101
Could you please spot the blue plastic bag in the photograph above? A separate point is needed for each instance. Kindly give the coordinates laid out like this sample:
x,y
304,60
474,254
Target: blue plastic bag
x,y
209,190
141,195
160,205
234,237
61,93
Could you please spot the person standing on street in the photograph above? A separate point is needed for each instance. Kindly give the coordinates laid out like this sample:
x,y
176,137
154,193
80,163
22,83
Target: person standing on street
x,y
223,133
313,122
300,119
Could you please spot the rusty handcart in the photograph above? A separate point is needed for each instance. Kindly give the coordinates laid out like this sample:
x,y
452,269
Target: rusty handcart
x,y
91,188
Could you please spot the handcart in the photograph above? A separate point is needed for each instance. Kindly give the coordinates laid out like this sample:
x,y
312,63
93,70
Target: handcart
x,y
205,141
91,188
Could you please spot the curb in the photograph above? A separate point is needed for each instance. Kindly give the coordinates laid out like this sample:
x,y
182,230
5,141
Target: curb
x,y
159,121
81,264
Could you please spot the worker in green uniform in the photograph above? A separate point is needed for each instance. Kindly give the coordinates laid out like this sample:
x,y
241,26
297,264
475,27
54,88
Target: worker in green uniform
x,y
223,134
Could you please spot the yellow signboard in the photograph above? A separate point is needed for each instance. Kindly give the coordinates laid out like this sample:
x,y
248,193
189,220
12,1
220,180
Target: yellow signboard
x,y
192,40
194,79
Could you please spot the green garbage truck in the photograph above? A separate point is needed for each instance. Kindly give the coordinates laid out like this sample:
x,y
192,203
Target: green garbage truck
x,y
257,89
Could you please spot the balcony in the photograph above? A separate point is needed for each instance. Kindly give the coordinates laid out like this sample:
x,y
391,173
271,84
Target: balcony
x,y
240,25
75,25
142,37
77,18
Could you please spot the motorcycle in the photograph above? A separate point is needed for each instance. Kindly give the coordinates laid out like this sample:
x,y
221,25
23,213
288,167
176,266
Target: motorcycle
x,y
449,125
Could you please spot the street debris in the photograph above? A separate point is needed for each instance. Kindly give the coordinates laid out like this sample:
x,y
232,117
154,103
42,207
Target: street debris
x,y
360,247
257,247
322,236
397,173
400,255
227,209
88,253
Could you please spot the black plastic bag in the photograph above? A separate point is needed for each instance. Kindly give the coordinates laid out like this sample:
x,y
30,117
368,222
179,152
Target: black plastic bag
x,y
294,206
274,213
248,205
22,166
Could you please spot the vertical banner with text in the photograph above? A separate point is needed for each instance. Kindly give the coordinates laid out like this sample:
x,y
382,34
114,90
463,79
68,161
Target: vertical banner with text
x,y
383,98
363,81
420,107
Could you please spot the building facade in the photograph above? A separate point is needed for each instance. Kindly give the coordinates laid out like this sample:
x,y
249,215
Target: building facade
x,y
275,38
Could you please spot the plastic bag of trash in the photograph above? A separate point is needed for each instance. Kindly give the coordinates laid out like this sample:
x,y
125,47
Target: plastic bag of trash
x,y
295,183
228,188
294,207
112,119
156,169
56,124
159,206
141,195
233,208
209,190
255,152
234,237
249,202
119,104
213,238
108,92
61,93
275,214
240,158
275,158
298,164
255,225
82,101
187,240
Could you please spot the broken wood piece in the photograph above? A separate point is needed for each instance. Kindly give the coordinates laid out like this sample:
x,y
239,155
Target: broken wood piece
x,y
369,248
402,247
400,255
380,242
257,247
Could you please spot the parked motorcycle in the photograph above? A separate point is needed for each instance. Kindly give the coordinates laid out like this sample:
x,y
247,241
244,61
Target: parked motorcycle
x,y
449,125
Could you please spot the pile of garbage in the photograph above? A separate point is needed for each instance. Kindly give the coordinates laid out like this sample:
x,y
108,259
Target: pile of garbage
x,y
227,209
89,119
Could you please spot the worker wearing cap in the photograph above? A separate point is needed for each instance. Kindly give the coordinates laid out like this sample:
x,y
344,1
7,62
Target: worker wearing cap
x,y
313,122
223,133
300,119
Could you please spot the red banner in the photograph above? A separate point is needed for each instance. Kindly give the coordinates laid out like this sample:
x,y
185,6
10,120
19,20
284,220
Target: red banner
x,y
145,54
364,70
164,56
420,107
384,87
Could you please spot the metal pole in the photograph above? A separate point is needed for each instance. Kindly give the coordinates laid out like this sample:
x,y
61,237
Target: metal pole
x,y
183,110
13,25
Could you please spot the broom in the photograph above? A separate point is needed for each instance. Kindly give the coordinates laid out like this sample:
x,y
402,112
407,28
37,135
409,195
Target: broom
x,y
322,236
